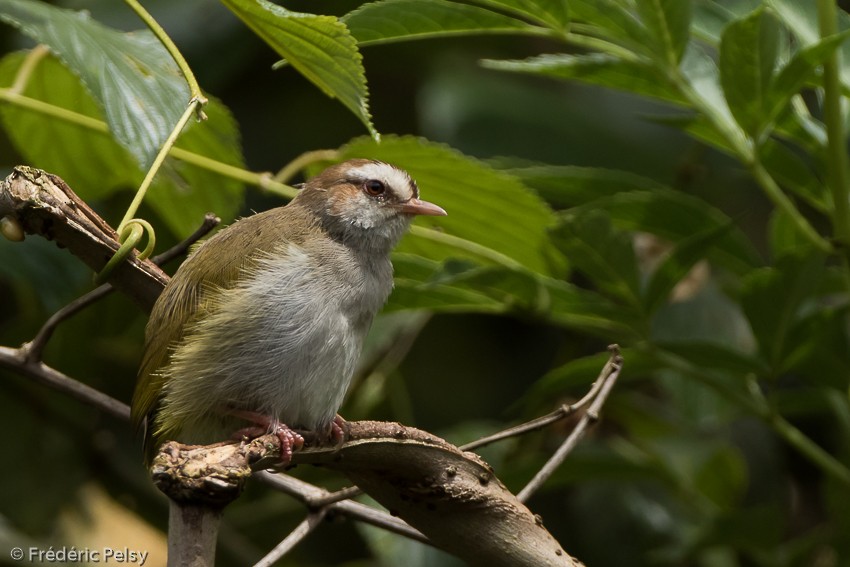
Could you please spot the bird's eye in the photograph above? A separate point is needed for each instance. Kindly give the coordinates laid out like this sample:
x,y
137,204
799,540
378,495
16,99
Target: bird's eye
x,y
374,187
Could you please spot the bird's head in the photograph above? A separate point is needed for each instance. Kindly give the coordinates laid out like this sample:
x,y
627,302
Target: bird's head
x,y
365,201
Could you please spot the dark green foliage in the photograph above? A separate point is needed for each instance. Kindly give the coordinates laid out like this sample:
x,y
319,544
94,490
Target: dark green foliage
x,y
669,191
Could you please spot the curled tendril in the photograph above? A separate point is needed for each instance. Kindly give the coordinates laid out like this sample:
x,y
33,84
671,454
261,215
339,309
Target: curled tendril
x,y
129,237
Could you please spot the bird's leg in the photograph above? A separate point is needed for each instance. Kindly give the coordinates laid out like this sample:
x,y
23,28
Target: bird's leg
x,y
289,439
339,430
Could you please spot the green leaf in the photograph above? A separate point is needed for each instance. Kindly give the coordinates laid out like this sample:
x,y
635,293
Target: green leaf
x,y
606,256
491,218
90,161
748,55
678,263
702,74
96,166
597,69
569,186
183,192
715,356
554,13
613,20
668,22
583,371
319,47
132,77
800,69
676,216
722,476
772,298
818,349
466,287
802,19
405,20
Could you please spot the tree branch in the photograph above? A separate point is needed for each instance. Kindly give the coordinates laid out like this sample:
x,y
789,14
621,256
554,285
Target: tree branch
x,y
43,204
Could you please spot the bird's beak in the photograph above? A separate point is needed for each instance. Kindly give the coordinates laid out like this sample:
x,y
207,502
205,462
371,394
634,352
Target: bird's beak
x,y
416,206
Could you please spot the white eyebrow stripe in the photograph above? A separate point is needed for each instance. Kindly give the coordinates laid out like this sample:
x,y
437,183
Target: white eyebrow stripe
x,y
399,181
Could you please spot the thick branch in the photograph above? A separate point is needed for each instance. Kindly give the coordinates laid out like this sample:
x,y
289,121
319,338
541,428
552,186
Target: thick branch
x,y
43,204
450,496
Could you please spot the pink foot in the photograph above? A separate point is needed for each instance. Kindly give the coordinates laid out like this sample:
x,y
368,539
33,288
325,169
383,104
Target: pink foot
x,y
263,424
339,430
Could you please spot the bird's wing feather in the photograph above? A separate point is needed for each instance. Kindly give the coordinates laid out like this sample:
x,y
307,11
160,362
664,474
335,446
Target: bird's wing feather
x,y
188,294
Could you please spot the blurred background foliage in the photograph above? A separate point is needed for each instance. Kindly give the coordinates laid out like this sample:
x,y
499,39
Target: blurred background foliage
x,y
658,179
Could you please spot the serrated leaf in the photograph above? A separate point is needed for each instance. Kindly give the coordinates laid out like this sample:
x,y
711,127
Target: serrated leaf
x,y
319,47
678,263
597,69
131,75
668,22
95,165
487,210
606,256
406,20
748,54
90,161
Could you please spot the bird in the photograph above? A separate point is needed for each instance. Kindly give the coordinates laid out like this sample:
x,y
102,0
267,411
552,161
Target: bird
x,y
260,329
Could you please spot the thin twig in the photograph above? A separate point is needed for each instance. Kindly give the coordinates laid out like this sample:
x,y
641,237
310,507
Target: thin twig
x,y
210,222
590,417
301,531
34,349
543,421
15,359
310,495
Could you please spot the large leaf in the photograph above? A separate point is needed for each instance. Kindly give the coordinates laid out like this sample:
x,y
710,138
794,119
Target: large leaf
x,y
131,75
491,215
668,22
404,20
599,69
90,161
319,47
748,54
95,165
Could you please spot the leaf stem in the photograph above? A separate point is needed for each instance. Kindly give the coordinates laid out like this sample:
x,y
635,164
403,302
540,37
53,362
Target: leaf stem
x,y
832,116
153,25
746,152
27,67
157,163
262,180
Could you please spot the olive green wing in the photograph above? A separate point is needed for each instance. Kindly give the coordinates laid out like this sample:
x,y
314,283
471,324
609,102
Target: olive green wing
x,y
214,265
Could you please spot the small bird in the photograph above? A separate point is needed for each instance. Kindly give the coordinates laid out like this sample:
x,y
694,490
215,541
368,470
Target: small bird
x,y
260,329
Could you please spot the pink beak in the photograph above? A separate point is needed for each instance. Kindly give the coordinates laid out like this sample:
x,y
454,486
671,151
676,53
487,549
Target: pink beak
x,y
415,206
